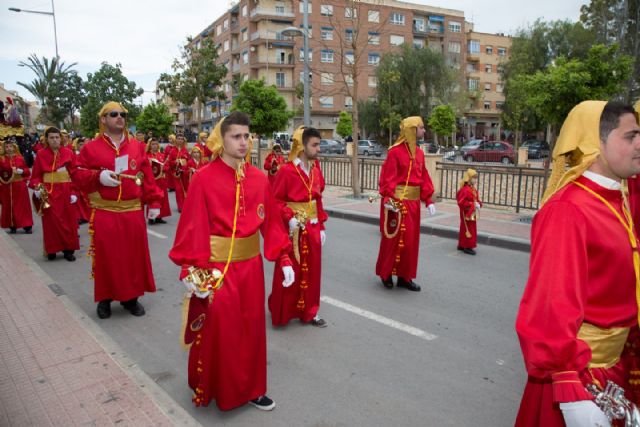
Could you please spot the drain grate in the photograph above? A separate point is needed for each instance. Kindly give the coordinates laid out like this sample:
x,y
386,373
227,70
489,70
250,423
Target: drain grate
x,y
56,289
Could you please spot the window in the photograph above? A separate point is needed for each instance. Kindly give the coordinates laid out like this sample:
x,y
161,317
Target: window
x,y
326,33
455,27
374,16
226,45
418,43
374,59
302,7
499,105
473,84
245,35
373,81
487,105
396,40
225,25
326,10
472,67
474,46
396,18
326,101
350,12
348,79
348,58
302,55
245,57
244,10
500,68
348,35
454,47
218,30
499,87
326,79
487,87
326,56
280,80
418,24
374,38
502,51
302,76
489,50
279,10
348,102
488,68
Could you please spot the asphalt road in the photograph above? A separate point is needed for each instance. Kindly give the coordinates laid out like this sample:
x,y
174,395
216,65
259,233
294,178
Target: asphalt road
x,y
447,356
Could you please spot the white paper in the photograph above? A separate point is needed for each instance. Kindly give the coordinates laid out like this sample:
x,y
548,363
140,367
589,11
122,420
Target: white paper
x,y
122,163
62,169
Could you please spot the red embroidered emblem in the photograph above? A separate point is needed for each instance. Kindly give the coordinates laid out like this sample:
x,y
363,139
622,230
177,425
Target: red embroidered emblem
x,y
261,211
133,164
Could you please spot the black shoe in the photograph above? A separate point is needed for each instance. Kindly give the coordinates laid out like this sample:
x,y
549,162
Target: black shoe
x,y
82,221
151,222
51,257
409,285
133,307
69,256
469,251
263,403
388,282
12,230
160,221
319,322
28,230
104,309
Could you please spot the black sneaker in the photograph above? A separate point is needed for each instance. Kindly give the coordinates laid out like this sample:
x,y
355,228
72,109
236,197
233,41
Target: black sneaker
x,y
13,230
469,251
28,230
151,222
104,309
160,221
133,307
388,282
460,248
263,403
402,283
319,322
51,257
69,256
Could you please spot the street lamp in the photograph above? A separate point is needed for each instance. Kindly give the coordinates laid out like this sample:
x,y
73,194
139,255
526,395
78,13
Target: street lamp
x,y
52,13
293,32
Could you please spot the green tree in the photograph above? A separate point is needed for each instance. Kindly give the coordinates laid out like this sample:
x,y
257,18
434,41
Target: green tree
x,y
345,124
156,118
442,121
266,107
196,77
107,84
370,117
68,89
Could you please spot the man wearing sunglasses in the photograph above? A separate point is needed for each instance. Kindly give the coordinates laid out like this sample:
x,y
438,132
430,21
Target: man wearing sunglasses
x,y
115,172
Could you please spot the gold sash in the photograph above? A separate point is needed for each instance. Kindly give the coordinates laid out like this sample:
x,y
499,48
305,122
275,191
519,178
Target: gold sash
x,y
244,248
16,178
97,202
56,177
606,344
310,209
413,192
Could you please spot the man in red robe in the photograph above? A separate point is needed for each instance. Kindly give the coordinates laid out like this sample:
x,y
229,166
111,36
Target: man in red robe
x,y
404,183
107,169
298,189
168,150
157,160
274,162
218,232
578,318
177,166
16,206
469,204
202,145
51,180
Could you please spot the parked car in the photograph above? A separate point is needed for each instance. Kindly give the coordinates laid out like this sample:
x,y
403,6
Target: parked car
x,y
471,145
432,147
368,147
331,146
537,149
492,151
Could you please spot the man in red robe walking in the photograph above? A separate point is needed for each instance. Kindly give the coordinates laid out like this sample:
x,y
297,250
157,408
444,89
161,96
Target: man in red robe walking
x,y
157,160
578,318
202,145
404,183
177,164
16,206
469,204
114,171
298,189
51,180
219,235
274,161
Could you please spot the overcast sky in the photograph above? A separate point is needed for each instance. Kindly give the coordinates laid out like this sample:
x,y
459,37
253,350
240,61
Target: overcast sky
x,y
144,35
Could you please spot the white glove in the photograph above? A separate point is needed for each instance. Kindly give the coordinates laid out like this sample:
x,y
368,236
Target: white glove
x,y
477,205
293,224
323,237
107,179
289,276
583,413
390,207
153,213
432,209
191,288
36,193
19,171
73,198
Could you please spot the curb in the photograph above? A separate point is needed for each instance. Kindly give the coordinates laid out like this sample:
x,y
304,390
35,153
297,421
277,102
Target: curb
x,y
165,403
504,242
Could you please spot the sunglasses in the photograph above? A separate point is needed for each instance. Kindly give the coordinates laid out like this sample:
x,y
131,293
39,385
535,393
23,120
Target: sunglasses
x,y
116,113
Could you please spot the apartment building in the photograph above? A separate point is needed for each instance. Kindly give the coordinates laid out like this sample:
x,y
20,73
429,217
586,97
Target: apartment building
x,y
251,45
485,55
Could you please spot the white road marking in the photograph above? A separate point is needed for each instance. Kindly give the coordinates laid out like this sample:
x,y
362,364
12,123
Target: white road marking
x,y
380,319
158,235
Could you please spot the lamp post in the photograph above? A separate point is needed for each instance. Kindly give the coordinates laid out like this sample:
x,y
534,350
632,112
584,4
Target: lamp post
x,y
52,14
293,32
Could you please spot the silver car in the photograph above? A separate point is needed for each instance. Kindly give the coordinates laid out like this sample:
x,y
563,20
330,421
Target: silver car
x,y
369,147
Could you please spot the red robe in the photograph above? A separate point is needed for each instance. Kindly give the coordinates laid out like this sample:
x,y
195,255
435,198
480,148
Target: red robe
x,y
16,206
171,185
231,352
291,186
59,222
161,180
581,270
206,153
178,170
37,147
83,211
467,198
190,170
394,173
633,184
121,263
272,164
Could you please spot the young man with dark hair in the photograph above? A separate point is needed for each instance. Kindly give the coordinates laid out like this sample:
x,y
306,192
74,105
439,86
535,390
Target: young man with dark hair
x,y
218,238
51,180
298,189
578,318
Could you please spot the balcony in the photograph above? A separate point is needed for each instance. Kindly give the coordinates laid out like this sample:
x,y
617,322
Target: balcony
x,y
283,14
273,37
473,56
278,63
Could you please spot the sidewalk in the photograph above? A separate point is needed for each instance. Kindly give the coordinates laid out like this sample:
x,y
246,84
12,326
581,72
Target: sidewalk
x,y
58,368
496,227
